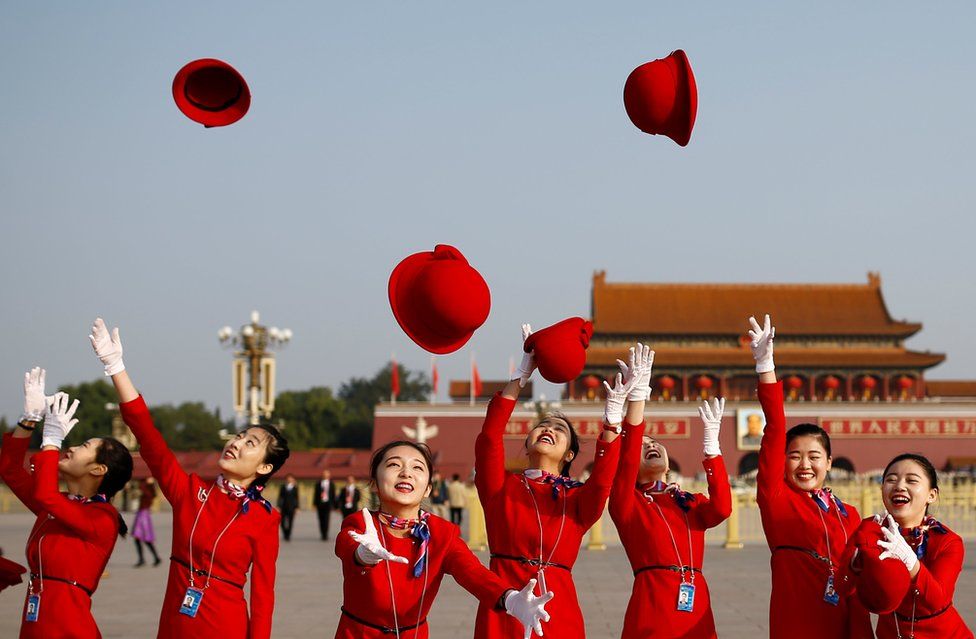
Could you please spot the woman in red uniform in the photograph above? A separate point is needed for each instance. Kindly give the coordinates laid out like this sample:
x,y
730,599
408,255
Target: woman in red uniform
x,y
805,525
221,528
662,528
75,533
393,560
932,554
536,520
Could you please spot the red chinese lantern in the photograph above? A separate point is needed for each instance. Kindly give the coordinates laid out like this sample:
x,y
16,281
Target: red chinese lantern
x,y
703,382
831,383
666,382
591,382
794,382
867,382
905,382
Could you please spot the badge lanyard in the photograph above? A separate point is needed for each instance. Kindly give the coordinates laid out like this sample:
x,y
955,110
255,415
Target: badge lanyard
x,y
562,521
34,598
194,595
911,631
686,591
389,576
830,594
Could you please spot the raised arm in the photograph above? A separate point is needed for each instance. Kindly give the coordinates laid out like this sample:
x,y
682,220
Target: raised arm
x,y
173,480
489,448
632,434
772,448
717,508
265,555
15,443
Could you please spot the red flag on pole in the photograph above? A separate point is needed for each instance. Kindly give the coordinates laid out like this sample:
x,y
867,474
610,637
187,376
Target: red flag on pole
x,y
394,379
476,387
433,379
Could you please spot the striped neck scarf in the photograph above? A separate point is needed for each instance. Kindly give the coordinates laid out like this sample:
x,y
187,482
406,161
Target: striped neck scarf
x,y
683,498
918,537
419,530
559,482
246,495
823,497
94,499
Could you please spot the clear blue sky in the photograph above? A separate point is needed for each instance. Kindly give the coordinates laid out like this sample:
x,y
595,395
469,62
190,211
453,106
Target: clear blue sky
x,y
832,139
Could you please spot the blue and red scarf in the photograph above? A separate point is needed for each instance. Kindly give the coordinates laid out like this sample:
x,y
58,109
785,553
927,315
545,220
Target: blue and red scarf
x,y
559,482
94,499
419,530
823,497
918,537
683,498
251,493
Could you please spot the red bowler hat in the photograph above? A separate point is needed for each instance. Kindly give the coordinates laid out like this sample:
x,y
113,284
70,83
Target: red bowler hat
x,y
661,97
881,584
560,349
211,92
10,573
438,299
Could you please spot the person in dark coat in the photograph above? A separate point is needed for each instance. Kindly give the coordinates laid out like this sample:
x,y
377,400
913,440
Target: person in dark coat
x,y
288,505
324,501
349,497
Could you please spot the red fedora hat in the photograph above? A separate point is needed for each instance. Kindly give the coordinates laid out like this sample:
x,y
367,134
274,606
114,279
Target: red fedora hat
x,y
211,92
438,299
560,349
661,97
881,584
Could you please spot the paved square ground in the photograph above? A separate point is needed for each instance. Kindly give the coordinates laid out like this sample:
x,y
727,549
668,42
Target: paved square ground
x,y
309,588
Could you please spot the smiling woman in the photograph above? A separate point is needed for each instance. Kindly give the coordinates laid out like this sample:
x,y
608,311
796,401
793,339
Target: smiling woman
x,y
218,533
416,549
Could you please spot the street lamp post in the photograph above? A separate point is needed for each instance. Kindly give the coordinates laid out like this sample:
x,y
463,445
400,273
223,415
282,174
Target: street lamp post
x,y
254,361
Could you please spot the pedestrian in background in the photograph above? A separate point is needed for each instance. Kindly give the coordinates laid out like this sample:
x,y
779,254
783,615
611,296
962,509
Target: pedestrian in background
x,y
288,505
438,495
456,495
324,501
349,501
142,525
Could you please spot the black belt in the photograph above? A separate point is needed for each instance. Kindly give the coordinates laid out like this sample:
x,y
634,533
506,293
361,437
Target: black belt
x,y
531,562
671,568
387,630
807,551
203,573
922,618
88,591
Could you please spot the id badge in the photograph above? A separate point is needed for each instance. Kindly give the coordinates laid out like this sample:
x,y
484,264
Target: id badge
x,y
830,595
191,602
686,597
33,607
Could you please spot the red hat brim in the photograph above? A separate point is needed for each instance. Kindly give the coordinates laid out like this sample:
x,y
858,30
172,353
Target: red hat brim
x,y
10,573
678,129
560,349
410,318
232,108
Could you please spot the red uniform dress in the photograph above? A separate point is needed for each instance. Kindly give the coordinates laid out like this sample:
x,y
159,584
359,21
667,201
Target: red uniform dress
x,y
797,531
247,540
931,594
510,502
366,596
67,549
652,611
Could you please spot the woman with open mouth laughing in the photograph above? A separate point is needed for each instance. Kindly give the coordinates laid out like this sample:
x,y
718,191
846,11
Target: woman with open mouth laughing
x,y
662,528
806,526
416,549
75,533
221,528
932,554
536,519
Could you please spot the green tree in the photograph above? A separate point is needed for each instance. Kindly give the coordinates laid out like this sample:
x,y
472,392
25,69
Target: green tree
x,y
361,396
189,426
313,418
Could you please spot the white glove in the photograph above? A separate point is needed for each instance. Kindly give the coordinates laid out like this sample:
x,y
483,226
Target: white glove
x,y
641,363
895,546
762,344
616,396
59,420
107,347
712,418
527,366
371,551
35,402
527,608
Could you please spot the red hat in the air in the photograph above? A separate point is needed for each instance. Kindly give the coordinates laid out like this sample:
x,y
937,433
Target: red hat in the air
x,y
211,92
661,97
10,573
560,349
881,584
438,299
